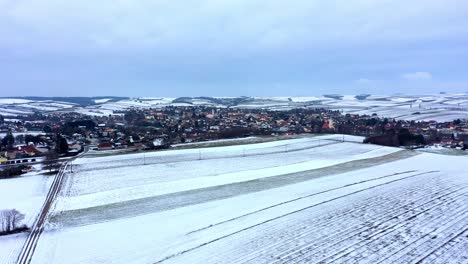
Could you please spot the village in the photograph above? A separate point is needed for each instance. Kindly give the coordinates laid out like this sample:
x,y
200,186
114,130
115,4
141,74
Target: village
x,y
24,139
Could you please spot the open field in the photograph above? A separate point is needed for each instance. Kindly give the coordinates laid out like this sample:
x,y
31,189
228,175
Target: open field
x,y
262,203
26,194
438,107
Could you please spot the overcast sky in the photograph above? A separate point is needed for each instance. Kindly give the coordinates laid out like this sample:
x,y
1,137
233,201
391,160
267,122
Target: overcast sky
x,y
232,47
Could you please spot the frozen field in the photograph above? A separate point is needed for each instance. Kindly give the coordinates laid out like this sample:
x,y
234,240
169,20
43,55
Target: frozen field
x,y
26,194
319,203
438,107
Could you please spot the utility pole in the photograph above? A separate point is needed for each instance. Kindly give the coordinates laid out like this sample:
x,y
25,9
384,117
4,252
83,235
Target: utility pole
x,y
144,159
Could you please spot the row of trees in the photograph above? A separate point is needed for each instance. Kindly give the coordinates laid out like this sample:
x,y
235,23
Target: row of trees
x,y
13,171
10,221
8,141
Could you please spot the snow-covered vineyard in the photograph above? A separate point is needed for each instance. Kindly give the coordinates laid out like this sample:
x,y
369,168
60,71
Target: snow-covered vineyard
x,y
292,201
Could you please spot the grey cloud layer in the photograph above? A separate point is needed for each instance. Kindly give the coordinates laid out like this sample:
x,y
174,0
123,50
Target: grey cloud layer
x,y
203,44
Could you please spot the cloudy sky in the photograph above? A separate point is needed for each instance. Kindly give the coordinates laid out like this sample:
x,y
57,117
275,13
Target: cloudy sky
x,y
232,47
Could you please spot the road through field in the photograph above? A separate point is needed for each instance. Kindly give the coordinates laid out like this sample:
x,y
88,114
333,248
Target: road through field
x,y
38,226
154,204
347,202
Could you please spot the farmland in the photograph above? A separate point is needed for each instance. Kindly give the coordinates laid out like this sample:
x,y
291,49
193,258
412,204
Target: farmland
x,y
26,194
424,107
302,200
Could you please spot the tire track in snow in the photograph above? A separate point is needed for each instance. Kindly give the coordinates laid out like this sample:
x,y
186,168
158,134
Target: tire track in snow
x,y
276,246
296,199
251,239
442,234
463,234
456,251
364,243
329,238
284,215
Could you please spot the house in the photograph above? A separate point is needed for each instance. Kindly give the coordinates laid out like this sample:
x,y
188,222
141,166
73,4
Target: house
x,y
446,141
28,149
105,146
23,151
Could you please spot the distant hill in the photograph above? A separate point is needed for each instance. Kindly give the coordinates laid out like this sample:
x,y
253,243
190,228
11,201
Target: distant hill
x,y
82,101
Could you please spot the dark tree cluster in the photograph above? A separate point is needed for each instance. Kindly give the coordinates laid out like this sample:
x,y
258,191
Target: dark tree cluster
x,y
12,171
8,141
61,146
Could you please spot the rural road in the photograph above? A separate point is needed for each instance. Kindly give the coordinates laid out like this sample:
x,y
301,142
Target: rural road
x,y
38,226
27,251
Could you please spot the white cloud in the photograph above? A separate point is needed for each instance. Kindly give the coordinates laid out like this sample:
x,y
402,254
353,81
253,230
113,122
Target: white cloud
x,y
417,76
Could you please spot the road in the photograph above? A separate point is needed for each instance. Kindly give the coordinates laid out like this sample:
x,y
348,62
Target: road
x,y
38,226
27,251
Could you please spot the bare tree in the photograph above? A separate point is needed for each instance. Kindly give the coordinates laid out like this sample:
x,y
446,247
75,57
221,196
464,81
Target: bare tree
x,y
10,220
16,218
4,221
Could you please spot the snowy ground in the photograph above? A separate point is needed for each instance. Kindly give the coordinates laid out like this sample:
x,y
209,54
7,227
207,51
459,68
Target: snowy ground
x,y
26,194
340,202
438,107
167,178
245,140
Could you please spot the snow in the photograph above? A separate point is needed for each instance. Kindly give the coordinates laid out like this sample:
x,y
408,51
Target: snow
x,y
447,106
215,141
29,200
25,194
305,99
431,107
13,101
228,150
33,133
13,112
400,210
10,247
100,101
194,181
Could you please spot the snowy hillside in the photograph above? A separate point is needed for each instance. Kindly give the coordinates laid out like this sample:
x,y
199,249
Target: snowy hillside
x,y
438,107
304,200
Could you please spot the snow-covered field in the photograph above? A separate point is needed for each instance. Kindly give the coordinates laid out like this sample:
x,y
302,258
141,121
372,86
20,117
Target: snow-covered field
x,y
26,194
33,133
438,107
277,202
22,107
